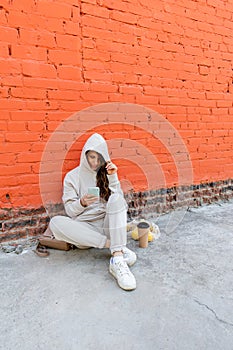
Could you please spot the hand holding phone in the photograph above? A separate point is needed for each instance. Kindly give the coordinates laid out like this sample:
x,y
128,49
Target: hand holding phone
x,y
95,191
93,194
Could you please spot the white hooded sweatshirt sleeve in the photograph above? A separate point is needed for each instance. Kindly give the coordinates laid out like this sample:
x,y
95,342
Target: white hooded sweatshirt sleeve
x,y
77,181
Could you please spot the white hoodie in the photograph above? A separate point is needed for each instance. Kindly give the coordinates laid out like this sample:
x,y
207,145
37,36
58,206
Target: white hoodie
x,y
77,181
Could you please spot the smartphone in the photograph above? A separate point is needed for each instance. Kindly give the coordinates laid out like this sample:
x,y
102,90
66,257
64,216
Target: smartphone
x,y
94,191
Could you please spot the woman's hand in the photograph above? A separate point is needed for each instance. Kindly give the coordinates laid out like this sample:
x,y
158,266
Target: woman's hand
x,y
111,168
88,199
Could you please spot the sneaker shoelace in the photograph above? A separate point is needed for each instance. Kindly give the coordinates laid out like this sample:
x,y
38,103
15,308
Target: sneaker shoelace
x,y
122,268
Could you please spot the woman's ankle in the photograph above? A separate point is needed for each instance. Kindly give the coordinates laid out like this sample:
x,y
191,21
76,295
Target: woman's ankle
x,y
117,253
107,244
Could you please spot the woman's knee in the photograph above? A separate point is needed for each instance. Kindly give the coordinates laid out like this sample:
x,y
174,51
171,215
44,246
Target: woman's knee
x,y
116,203
56,222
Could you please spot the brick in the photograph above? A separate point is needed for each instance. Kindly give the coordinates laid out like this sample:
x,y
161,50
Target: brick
x,y
18,19
218,133
214,3
69,72
4,50
27,115
210,95
44,39
89,64
93,21
108,35
72,85
116,5
36,126
34,69
11,147
98,75
124,58
72,28
12,80
88,42
3,18
5,92
207,103
7,158
224,103
67,41
127,89
103,87
10,181
28,179
170,100
10,66
29,52
95,10
28,93
103,56
124,17
16,126
203,70
4,115
25,6
58,10
64,57
73,106
21,137
40,83
16,169
12,104
93,96
64,95
38,147
120,135
54,25
28,158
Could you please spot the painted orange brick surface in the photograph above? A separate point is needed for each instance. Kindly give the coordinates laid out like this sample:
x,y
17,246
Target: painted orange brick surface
x,y
59,57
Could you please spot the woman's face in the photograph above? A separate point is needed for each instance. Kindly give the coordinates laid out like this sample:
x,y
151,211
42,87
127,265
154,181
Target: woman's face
x,y
93,159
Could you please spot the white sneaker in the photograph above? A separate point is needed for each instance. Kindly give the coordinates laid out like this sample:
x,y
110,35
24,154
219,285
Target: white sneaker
x,y
129,256
120,270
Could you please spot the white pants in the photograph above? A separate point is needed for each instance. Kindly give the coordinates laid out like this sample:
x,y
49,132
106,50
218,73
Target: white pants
x,y
95,233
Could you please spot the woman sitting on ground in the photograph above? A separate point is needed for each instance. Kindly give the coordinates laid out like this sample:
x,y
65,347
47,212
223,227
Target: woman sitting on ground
x,y
93,221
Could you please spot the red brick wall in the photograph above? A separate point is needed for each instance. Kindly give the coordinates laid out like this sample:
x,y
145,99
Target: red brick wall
x,y
60,56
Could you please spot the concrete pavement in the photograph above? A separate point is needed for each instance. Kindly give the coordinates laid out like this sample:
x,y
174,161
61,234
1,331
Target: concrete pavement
x,y
183,300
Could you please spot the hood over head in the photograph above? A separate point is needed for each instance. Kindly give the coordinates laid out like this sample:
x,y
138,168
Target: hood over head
x,y
96,143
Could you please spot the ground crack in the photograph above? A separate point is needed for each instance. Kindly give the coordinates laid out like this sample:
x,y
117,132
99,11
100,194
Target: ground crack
x,y
213,312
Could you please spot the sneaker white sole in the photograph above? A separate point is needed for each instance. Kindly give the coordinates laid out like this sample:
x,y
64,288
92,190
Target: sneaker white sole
x,y
131,263
119,284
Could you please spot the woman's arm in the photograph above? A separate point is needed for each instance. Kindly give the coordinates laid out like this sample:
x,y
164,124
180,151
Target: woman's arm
x,y
71,199
114,183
